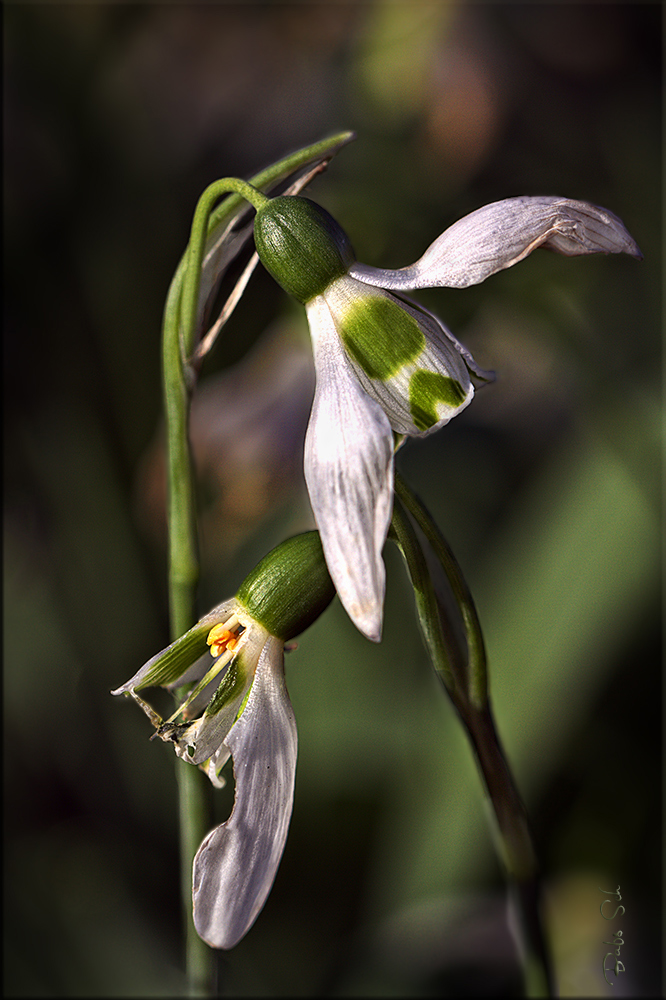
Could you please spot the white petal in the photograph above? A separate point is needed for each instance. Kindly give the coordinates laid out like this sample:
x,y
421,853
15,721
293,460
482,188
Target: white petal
x,y
499,235
236,864
214,765
349,473
440,358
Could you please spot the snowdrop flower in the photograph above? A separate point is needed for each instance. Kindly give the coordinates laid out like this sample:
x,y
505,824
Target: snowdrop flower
x,y
385,364
232,662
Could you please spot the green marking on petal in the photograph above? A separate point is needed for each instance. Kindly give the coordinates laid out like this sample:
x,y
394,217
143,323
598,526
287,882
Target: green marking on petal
x,y
426,389
230,687
172,662
380,336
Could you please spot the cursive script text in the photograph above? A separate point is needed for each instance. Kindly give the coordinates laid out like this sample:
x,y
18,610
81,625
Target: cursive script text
x,y
618,939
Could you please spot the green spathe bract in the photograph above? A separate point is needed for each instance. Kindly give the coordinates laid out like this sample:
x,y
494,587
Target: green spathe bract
x,y
301,245
289,588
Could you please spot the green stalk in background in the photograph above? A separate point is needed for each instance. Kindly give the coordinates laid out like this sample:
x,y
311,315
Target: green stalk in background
x,y
462,668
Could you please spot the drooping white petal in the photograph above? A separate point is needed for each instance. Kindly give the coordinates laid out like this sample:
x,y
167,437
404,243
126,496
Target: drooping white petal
x,y
501,234
236,864
349,474
403,356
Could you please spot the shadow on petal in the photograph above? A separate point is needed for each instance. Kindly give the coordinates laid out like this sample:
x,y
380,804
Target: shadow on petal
x,y
349,474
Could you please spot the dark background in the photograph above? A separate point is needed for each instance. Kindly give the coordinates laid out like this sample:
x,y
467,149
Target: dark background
x,y
548,488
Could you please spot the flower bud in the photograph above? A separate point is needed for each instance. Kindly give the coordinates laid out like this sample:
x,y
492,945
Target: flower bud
x,y
289,588
301,246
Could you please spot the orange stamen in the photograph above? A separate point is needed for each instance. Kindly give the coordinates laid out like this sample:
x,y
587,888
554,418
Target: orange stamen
x,y
221,638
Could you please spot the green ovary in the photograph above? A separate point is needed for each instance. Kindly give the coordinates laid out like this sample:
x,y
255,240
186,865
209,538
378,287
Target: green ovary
x,y
380,336
426,389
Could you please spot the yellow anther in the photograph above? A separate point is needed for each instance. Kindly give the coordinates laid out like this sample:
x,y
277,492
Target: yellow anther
x,y
218,639
222,637
217,632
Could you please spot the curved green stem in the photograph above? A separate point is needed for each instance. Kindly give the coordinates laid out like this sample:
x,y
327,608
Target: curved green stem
x,y
515,848
178,337
183,547
195,252
194,791
194,796
402,532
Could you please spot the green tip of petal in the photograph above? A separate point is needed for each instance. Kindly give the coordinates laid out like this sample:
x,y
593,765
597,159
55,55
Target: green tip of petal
x,y
426,391
171,663
233,684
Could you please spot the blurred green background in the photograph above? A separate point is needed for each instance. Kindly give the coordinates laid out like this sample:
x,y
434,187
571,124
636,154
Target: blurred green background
x,y
548,488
